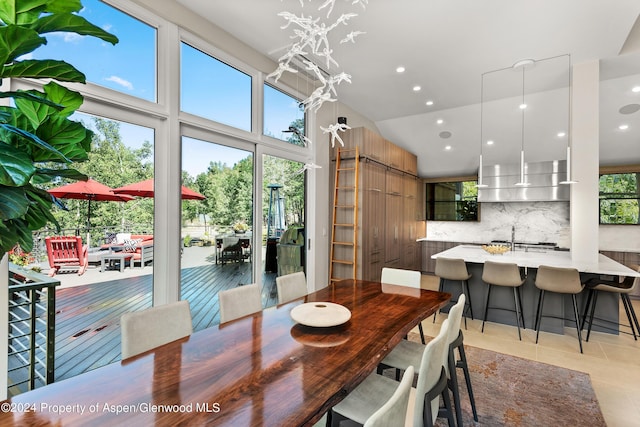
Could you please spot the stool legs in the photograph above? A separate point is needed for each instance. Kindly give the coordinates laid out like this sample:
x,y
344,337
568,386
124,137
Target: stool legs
x,y
486,306
627,301
518,304
575,313
590,307
465,284
467,294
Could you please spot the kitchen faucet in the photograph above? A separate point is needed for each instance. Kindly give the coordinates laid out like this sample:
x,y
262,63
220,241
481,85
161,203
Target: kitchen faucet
x,y
513,237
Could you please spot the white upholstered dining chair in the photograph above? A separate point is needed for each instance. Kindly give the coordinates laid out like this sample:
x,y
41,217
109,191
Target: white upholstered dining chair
x,y
291,286
409,278
409,353
153,327
239,302
371,394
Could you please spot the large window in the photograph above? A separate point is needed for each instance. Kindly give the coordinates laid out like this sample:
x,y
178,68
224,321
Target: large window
x,y
619,198
128,67
452,201
283,116
214,90
214,241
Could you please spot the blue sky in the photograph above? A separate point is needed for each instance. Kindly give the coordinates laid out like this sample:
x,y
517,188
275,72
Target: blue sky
x,y
209,88
127,67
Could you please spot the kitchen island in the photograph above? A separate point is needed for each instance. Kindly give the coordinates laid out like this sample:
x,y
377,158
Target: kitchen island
x,y
555,304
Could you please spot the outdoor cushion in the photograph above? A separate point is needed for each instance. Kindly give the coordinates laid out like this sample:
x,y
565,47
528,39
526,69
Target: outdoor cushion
x,y
121,237
130,245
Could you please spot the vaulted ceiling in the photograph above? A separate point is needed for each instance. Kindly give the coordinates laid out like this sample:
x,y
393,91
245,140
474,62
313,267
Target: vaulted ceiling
x,y
446,46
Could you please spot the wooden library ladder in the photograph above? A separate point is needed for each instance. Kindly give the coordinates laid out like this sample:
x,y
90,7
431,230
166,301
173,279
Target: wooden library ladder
x,y
344,236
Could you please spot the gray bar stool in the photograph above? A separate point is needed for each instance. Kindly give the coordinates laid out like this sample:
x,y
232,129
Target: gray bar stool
x,y
454,269
623,288
561,281
504,274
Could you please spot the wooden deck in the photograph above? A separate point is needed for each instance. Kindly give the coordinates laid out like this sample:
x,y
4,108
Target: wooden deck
x,y
88,317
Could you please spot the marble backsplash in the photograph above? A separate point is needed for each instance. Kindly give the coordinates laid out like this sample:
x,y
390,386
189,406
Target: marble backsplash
x,y
534,222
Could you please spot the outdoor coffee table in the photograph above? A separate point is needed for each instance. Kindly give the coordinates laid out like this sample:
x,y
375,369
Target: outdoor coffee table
x,y
112,258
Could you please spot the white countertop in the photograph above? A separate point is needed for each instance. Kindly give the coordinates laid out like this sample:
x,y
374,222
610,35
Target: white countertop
x,y
476,254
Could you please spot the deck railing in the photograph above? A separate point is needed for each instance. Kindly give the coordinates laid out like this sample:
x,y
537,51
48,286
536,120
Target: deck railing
x,y
32,309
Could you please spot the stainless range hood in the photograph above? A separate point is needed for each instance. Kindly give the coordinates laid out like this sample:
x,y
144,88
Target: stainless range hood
x,y
544,179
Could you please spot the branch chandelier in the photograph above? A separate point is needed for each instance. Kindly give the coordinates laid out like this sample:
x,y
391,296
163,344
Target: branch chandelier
x,y
310,37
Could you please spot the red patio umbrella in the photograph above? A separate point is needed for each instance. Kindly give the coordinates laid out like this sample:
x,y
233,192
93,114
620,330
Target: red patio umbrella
x,y
88,190
145,189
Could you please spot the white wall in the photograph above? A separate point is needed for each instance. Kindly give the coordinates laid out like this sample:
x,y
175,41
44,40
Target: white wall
x,y
585,103
623,238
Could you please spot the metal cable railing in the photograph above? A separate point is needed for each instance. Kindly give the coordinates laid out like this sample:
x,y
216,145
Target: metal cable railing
x,y
31,345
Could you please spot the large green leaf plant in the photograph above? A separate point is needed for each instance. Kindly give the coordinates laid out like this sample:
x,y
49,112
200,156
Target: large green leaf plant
x,y
38,142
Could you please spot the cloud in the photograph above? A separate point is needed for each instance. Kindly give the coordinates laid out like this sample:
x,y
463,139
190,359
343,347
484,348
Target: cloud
x,y
72,37
120,81
67,37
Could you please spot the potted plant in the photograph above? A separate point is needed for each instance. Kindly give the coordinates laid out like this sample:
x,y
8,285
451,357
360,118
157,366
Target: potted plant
x,y
38,142
240,227
19,257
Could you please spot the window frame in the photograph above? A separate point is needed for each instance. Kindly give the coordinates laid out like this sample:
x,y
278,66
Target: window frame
x,y
602,196
297,96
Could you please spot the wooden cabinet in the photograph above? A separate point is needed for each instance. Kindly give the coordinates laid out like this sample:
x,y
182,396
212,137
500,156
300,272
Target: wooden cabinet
x,y
373,220
431,247
395,156
394,218
371,144
410,163
409,223
388,199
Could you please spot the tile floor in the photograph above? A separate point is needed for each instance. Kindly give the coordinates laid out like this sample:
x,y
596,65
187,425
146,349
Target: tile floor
x,y
612,361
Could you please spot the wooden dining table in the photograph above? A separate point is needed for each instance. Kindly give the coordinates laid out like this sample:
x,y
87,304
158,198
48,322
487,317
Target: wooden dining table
x,y
260,370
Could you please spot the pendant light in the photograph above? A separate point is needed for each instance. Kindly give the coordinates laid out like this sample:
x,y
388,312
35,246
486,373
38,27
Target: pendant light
x,y
523,106
569,179
480,183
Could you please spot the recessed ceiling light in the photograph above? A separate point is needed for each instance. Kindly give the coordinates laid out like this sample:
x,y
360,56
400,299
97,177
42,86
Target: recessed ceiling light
x,y
400,69
523,106
561,134
429,103
439,121
490,142
448,147
635,89
416,88
623,127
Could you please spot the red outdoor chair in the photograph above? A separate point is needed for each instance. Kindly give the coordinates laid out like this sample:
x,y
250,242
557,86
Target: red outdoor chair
x,y
66,252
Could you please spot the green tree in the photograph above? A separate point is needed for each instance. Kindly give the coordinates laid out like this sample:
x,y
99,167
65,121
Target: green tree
x,y
286,173
37,130
240,188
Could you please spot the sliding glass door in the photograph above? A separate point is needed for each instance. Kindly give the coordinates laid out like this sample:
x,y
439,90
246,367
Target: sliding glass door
x,y
283,218
216,231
